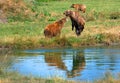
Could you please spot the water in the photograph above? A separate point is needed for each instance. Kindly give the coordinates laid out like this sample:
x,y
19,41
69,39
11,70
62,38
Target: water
x,y
68,63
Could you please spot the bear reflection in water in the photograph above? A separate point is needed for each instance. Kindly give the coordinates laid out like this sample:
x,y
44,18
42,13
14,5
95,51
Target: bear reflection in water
x,y
56,59
78,64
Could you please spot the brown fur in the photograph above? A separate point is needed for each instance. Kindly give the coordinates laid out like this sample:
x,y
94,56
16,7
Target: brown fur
x,y
77,20
54,29
79,7
75,16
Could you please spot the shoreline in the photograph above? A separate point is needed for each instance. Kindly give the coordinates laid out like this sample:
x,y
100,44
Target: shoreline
x,y
8,49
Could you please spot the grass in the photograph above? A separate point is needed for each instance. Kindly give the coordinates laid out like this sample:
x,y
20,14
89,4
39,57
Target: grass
x,y
108,78
16,78
102,25
30,35
13,77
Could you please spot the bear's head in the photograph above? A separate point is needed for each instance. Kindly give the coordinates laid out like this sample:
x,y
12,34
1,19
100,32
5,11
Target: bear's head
x,y
68,13
71,14
63,20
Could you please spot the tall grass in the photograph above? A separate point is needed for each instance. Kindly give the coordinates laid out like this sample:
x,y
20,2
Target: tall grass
x,y
13,77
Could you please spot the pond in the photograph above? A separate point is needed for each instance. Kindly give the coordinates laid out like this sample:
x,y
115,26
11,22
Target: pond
x,y
88,63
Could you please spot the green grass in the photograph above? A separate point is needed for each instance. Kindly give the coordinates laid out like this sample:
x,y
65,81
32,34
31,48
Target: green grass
x,y
102,25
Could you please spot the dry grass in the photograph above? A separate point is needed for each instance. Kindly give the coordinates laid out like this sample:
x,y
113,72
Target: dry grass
x,y
15,10
108,79
15,78
22,79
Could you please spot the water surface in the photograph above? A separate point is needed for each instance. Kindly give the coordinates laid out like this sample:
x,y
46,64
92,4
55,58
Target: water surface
x,y
88,63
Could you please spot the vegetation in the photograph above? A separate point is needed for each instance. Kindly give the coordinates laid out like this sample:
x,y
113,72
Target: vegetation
x,y
26,23
13,77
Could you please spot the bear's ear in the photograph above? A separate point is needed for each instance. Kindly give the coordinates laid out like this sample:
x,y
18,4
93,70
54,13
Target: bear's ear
x,y
72,6
66,13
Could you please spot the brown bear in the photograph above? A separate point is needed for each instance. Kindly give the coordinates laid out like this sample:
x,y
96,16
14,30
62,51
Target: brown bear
x,y
79,7
54,29
77,21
